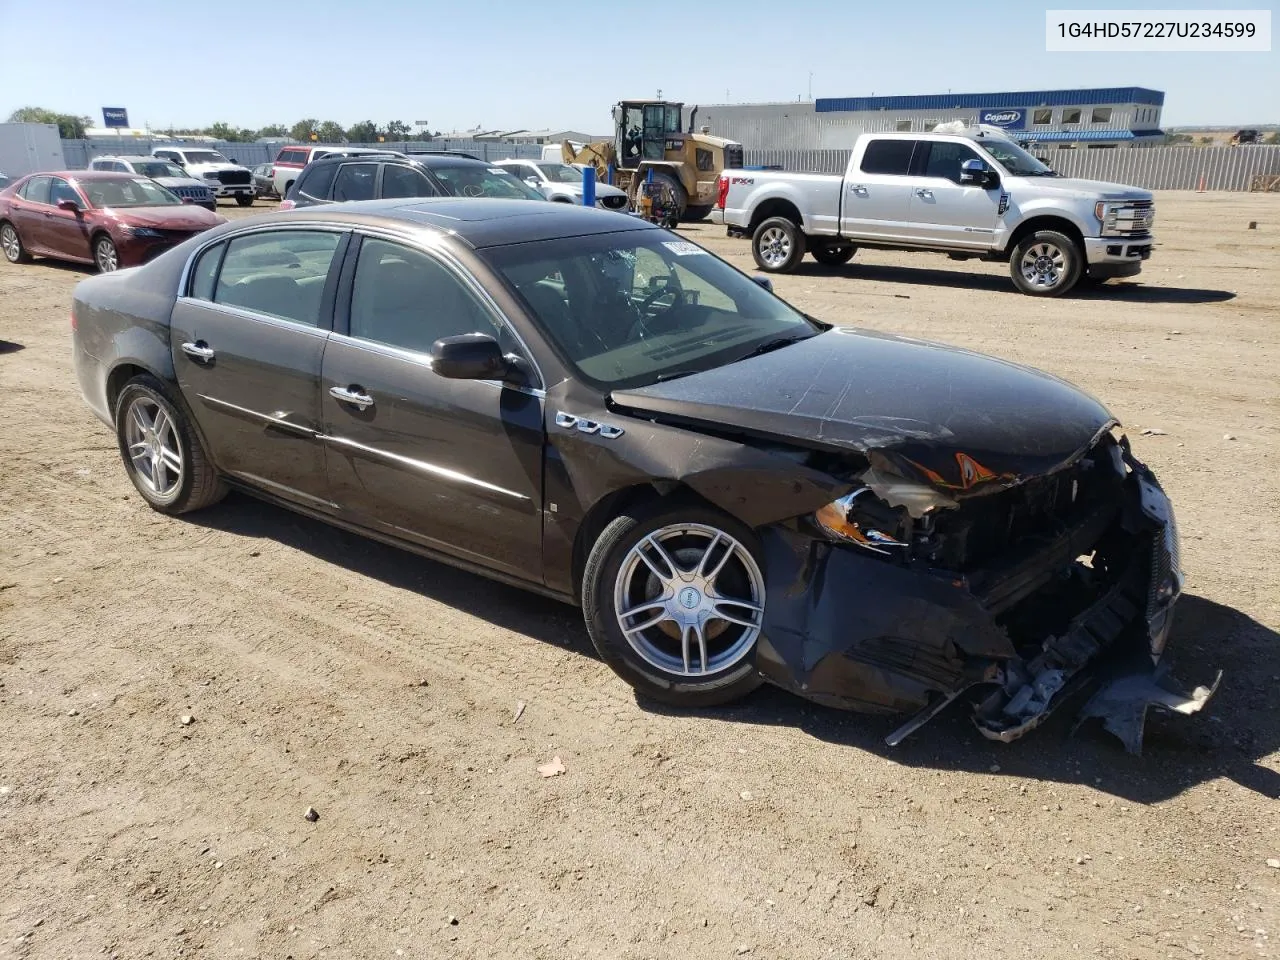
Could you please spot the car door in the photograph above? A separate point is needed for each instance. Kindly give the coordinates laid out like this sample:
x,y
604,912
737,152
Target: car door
x,y
452,465
402,180
28,214
247,338
943,210
877,196
67,232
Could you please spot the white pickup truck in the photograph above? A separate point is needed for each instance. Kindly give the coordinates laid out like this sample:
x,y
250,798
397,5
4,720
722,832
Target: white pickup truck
x,y
973,193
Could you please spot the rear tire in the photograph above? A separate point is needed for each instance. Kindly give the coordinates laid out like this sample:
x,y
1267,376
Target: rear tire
x,y
162,453
11,244
717,666
244,201
1046,264
834,254
778,245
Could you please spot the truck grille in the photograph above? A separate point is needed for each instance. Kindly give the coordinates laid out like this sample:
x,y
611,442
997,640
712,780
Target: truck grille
x,y
234,177
192,193
1132,219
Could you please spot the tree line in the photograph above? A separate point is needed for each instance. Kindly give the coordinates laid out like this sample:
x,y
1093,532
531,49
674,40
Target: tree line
x,y
71,127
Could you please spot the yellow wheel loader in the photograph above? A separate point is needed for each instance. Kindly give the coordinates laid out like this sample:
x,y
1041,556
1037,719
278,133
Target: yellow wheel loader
x,y
649,147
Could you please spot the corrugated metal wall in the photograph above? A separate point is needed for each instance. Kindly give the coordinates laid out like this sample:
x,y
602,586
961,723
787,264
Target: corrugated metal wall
x,y
77,153
1152,168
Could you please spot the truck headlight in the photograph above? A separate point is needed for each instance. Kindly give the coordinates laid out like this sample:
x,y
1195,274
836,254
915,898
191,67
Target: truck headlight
x,y
862,523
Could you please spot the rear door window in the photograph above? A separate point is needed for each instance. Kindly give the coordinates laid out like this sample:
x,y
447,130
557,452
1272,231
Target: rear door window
x,y
280,273
399,180
36,190
316,181
890,157
354,182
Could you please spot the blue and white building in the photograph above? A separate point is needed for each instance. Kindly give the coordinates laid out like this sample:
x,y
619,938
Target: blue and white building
x,y
1104,117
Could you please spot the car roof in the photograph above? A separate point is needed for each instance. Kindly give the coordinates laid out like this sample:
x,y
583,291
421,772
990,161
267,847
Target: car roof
x,y
422,159
86,174
129,156
480,222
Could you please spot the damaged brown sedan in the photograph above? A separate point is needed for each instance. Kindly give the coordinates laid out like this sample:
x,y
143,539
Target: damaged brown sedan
x,y
585,405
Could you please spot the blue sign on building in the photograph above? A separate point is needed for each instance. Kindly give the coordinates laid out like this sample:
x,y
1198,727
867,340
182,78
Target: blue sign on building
x,y
1004,117
115,117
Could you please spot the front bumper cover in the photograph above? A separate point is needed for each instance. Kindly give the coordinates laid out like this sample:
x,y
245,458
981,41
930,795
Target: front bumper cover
x,y
850,630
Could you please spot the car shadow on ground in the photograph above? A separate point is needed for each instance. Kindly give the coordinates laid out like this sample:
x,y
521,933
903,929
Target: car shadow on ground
x,y
1230,738
1239,728
8,346
1119,290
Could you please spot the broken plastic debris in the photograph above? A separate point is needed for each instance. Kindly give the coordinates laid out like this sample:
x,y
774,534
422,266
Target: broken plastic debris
x,y
1122,704
552,769
917,498
519,711
1154,432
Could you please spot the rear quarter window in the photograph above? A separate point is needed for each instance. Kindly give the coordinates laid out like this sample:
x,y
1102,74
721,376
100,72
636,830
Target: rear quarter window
x,y
315,181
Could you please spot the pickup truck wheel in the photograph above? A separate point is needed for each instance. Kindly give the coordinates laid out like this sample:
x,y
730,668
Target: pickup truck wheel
x,y
778,245
244,201
833,255
1046,264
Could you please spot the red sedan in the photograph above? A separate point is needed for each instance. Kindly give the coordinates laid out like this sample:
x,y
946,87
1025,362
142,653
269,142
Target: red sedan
x,y
110,220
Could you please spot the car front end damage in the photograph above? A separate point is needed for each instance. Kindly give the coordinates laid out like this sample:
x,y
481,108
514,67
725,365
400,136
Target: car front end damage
x,y
919,588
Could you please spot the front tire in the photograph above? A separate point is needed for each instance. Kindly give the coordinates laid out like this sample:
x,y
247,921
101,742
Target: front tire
x,y
673,597
105,256
1046,264
162,453
834,254
11,244
673,189
778,245
244,201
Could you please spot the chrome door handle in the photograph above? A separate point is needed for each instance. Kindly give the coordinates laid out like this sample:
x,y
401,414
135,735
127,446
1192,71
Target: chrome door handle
x,y
199,350
354,396
924,194
858,188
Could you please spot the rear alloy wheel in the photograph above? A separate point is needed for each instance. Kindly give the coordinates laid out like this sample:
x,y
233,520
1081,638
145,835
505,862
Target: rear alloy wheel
x,y
11,244
162,453
777,245
244,201
105,257
674,601
834,254
1046,264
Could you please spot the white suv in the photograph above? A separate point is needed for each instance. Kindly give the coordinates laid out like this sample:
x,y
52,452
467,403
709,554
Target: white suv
x,y
225,177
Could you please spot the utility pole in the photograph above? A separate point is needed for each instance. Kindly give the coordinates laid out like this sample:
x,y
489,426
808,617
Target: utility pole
x,y
810,85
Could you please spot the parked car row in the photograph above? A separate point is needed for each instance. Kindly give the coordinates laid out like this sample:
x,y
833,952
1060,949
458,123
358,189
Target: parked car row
x,y
164,172
339,179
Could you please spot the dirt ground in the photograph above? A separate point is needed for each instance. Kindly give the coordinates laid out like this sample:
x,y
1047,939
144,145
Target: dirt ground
x,y
383,690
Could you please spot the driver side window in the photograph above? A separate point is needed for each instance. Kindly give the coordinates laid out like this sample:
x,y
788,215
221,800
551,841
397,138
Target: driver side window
x,y
945,160
60,190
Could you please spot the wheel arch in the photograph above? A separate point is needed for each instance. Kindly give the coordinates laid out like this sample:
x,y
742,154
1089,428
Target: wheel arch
x,y
775,207
1045,222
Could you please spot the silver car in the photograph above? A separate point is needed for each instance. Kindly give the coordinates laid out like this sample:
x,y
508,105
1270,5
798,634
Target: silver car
x,y
169,175
562,182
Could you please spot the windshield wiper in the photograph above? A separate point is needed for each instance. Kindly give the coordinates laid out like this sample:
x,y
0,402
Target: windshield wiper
x,y
674,375
770,345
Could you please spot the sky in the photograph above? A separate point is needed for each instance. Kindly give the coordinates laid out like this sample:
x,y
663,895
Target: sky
x,y
500,64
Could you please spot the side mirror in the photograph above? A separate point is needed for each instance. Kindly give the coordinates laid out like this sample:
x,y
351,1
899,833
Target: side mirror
x,y
978,174
764,281
471,356
68,204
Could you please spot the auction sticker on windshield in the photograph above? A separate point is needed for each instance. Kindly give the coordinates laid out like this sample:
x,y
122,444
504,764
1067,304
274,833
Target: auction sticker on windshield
x,y
683,248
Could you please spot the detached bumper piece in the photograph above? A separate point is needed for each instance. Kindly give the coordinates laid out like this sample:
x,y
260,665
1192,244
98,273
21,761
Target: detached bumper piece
x,y
1019,636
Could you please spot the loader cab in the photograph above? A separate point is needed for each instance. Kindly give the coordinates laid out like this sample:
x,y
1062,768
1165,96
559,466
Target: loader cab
x,y
642,130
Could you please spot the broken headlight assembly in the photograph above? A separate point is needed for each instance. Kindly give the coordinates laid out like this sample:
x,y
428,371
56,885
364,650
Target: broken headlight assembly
x,y
863,519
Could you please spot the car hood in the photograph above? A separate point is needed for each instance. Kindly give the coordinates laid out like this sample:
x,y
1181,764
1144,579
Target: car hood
x,y
1084,189
937,414
176,217
170,182
215,167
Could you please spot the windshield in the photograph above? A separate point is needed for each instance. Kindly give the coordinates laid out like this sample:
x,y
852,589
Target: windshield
x,y
477,180
561,172
127,193
1014,159
629,309
157,168
205,156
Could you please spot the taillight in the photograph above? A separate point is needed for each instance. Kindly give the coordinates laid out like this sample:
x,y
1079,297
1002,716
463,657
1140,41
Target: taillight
x,y
723,191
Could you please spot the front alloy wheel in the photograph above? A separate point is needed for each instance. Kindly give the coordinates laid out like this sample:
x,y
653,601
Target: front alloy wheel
x,y
1046,263
674,600
105,256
